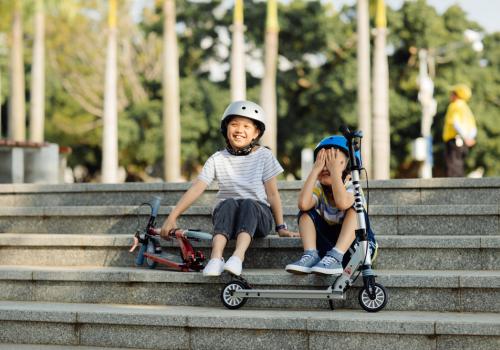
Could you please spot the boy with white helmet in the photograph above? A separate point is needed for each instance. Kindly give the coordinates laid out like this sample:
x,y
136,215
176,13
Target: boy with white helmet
x,y
248,197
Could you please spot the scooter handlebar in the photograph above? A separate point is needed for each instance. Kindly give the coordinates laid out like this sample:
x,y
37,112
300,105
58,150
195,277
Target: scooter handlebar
x,y
189,234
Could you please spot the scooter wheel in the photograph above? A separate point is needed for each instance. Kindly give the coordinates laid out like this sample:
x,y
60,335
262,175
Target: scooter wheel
x,y
151,250
375,304
227,297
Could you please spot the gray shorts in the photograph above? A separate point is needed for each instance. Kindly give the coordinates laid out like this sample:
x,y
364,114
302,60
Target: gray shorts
x,y
233,216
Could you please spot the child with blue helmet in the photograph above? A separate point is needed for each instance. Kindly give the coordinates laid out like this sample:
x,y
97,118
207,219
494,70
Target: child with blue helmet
x,y
327,219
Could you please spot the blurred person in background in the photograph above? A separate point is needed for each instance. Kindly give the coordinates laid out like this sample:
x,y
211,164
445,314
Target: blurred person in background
x,y
459,132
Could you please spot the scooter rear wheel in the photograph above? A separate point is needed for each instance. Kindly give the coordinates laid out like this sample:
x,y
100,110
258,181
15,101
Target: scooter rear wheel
x,y
375,304
227,297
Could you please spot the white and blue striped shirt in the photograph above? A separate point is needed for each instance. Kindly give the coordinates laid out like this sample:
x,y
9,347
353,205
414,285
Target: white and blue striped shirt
x,y
241,176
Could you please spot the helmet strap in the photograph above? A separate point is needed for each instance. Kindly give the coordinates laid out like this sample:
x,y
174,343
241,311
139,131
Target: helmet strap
x,y
240,151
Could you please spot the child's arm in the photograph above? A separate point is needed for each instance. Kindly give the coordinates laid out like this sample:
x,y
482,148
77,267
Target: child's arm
x,y
274,199
336,164
195,191
306,200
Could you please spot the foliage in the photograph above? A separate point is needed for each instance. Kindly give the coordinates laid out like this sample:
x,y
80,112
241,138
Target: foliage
x,y
316,79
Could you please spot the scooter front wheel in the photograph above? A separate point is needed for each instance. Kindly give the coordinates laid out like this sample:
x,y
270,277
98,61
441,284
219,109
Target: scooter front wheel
x,y
227,296
377,303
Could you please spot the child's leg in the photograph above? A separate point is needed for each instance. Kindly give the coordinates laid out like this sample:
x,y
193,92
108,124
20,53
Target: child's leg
x,y
331,264
252,217
218,244
242,243
307,232
347,233
223,220
310,257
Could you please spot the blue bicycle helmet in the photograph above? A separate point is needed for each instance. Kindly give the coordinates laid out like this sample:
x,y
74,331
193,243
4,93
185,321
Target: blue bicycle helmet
x,y
339,142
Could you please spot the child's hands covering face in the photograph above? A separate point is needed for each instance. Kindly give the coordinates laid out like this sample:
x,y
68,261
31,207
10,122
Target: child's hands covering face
x,y
319,164
335,161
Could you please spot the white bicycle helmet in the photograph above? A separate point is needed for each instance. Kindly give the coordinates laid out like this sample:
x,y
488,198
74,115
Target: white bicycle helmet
x,y
245,109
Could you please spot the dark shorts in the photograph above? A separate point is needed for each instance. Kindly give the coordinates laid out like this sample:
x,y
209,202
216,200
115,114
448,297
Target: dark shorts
x,y
233,216
327,235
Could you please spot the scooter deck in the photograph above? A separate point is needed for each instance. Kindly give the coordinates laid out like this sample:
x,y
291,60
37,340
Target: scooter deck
x,y
170,257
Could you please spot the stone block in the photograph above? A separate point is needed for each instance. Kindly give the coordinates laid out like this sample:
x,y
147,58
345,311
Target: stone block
x,y
448,225
41,165
125,336
16,290
355,341
38,333
472,324
389,322
11,165
220,338
446,342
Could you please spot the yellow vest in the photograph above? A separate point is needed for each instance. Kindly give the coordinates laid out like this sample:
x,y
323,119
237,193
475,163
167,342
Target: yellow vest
x,y
458,111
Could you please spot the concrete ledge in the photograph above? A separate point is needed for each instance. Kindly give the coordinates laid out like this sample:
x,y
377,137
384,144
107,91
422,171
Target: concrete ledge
x,y
387,220
54,347
451,291
391,192
271,241
398,278
403,252
392,322
270,277
490,182
375,210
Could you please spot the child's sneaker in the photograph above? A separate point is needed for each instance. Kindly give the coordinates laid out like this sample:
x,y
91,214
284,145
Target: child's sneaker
x,y
304,264
233,265
328,266
214,267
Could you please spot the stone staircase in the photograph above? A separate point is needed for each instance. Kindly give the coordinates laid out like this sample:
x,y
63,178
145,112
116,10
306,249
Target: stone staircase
x,y
68,281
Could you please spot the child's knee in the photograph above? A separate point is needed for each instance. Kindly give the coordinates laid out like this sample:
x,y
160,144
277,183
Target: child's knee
x,y
305,218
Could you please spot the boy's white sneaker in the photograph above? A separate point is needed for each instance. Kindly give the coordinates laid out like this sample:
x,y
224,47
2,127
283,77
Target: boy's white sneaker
x,y
234,265
214,267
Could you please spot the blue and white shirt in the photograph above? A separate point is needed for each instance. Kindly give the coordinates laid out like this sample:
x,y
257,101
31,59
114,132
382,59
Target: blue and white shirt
x,y
326,208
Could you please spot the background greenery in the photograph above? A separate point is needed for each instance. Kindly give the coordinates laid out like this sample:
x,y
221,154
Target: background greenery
x,y
316,82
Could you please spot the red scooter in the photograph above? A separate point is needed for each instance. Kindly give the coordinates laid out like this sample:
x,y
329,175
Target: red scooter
x,y
151,251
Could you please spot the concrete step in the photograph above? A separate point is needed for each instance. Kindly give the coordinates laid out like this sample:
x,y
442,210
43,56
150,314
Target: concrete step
x,y
382,192
409,290
386,220
12,346
183,327
395,252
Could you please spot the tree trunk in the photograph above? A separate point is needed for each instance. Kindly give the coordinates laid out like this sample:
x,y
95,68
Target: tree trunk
x,y
17,113
37,111
381,128
363,58
238,75
171,103
110,121
268,92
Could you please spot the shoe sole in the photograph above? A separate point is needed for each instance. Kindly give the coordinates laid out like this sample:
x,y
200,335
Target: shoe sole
x,y
298,270
212,274
326,272
232,272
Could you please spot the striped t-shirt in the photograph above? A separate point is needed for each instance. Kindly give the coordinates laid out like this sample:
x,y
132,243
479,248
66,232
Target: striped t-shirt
x,y
326,208
241,176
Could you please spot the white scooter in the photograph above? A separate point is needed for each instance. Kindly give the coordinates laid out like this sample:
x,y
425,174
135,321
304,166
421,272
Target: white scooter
x,y
372,297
